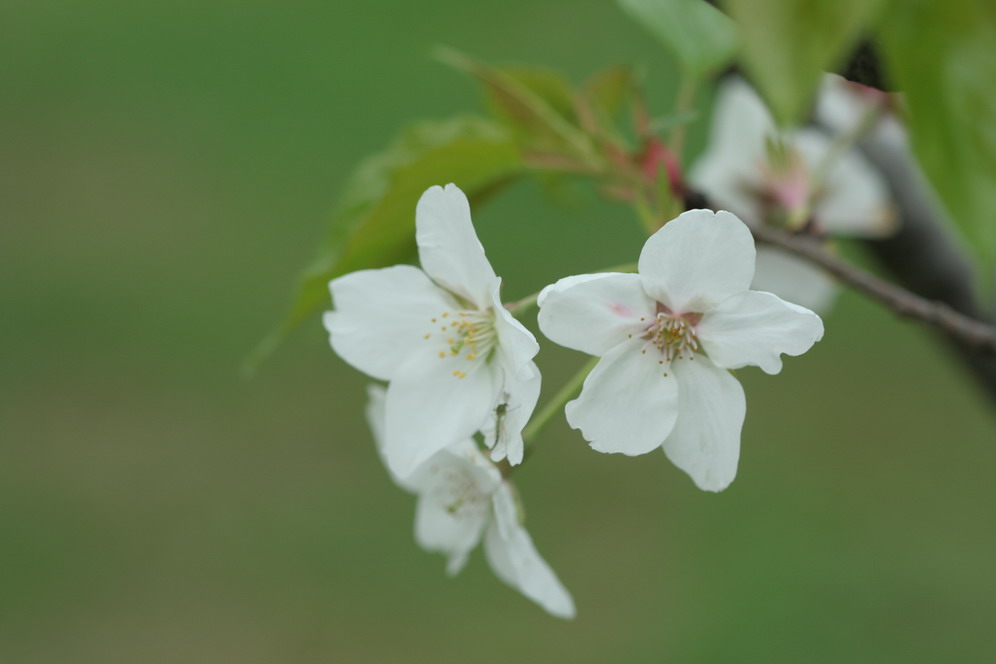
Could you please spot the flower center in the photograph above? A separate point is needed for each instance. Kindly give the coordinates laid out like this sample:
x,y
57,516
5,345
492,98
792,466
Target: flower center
x,y
674,336
787,184
458,494
470,334
789,190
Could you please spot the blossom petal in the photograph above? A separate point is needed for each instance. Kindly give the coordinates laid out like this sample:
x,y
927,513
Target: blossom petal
x,y
485,475
627,405
507,509
793,279
509,415
754,328
438,531
698,260
518,346
843,104
705,441
381,317
479,471
740,123
429,407
839,106
593,313
569,282
376,418
855,199
375,413
514,559
728,170
448,248
455,489
729,189
443,525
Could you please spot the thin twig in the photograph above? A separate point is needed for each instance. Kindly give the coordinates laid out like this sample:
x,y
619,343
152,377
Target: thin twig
x,y
966,330
568,391
551,409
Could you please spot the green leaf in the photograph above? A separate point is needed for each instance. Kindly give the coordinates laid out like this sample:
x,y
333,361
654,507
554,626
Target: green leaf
x,y
375,223
942,56
787,44
609,90
701,37
537,104
547,84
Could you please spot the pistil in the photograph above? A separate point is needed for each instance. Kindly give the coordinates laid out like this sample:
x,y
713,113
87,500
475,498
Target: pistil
x,y
673,336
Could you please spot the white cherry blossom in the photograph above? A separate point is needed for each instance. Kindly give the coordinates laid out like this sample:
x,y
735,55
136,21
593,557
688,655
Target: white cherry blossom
x,y
666,338
788,179
462,499
452,354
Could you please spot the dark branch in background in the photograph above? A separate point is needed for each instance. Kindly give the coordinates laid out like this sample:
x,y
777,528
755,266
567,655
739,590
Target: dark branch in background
x,y
961,329
864,66
924,255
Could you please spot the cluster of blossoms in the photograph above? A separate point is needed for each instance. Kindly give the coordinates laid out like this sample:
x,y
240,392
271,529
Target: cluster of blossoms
x,y
458,365
803,180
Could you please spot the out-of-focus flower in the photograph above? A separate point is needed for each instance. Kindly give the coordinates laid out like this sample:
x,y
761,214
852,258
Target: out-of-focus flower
x,y
791,180
463,498
441,338
666,337
842,107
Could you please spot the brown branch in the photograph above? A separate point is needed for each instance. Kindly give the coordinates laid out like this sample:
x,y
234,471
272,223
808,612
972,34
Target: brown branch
x,y
925,256
965,330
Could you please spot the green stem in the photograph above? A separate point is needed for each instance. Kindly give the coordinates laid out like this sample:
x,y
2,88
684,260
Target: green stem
x,y
520,307
554,405
650,221
624,267
683,103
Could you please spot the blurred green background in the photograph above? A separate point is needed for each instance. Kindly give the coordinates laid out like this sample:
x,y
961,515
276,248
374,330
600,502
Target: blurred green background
x,y
165,170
